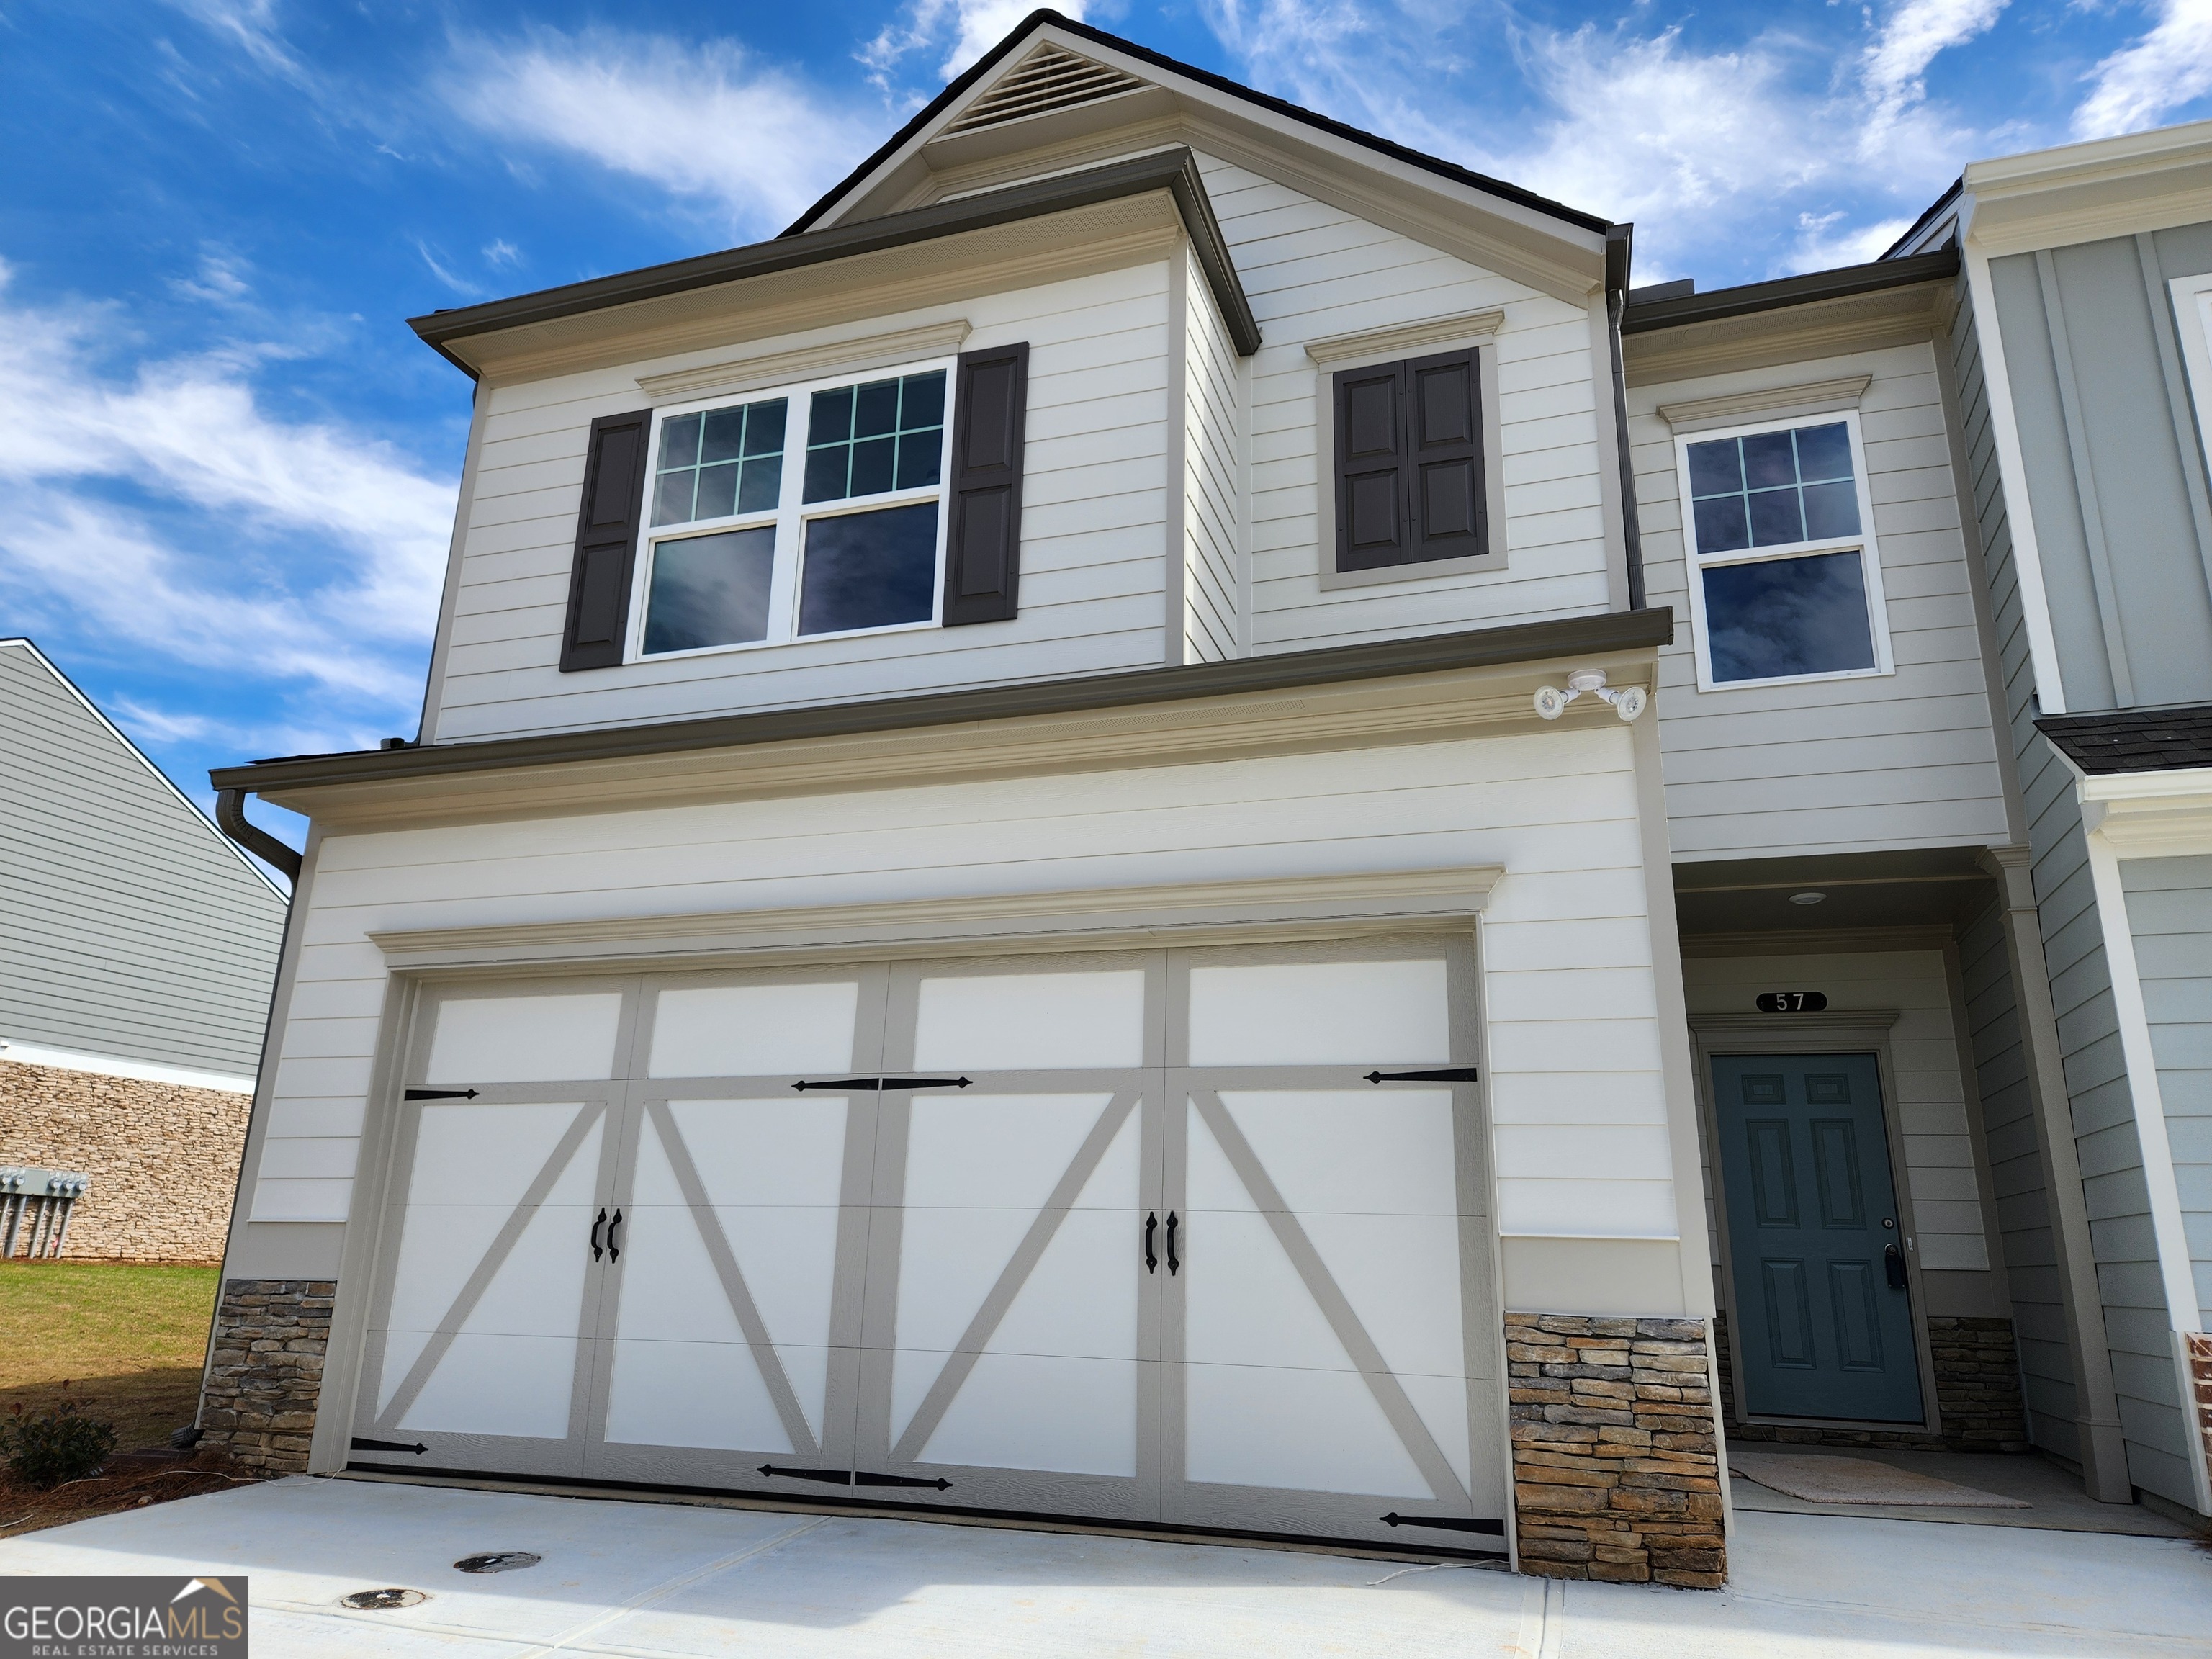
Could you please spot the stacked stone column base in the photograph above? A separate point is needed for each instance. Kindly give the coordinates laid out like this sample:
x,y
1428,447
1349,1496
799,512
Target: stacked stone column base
x,y
1616,1474
267,1371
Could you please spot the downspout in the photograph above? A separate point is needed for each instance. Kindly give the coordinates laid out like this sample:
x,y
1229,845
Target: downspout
x,y
1619,245
230,814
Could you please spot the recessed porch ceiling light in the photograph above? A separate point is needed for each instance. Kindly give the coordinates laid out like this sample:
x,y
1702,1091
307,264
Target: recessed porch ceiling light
x,y
1807,899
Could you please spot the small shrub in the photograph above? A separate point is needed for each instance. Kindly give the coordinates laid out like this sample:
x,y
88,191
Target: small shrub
x,y
54,1443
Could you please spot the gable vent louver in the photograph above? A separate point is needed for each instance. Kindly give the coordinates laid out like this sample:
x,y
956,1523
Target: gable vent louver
x,y
1049,78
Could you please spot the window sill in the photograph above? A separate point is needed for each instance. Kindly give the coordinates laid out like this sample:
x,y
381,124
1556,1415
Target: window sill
x,y
736,646
1706,684
1480,565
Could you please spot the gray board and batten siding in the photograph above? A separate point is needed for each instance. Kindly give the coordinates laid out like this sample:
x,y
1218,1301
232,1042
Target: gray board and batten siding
x,y
2113,1184
2170,919
132,929
2115,468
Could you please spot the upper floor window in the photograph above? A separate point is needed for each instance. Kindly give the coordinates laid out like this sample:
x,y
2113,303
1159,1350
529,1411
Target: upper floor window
x,y
1784,584
748,545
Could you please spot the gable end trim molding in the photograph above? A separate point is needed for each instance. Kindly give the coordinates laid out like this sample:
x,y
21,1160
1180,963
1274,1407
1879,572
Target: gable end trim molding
x,y
1810,398
775,368
1404,339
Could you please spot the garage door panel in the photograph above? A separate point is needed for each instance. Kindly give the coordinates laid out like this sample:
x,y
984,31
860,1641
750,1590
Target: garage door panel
x,y
1363,1150
1030,1020
1312,1430
1319,1013
524,1039
756,1030
1023,1411
496,1384
709,1395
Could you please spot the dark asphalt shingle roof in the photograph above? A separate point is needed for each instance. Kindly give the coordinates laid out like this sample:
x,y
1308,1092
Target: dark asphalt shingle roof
x,y
2133,739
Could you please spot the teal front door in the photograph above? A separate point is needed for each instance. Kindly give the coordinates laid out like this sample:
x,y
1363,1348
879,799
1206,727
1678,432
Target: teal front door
x,y
1823,1318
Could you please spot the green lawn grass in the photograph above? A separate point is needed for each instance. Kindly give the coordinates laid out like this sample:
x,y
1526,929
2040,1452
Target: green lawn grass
x,y
129,1340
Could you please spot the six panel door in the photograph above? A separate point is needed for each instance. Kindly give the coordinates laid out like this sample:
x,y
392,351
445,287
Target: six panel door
x,y
1824,1325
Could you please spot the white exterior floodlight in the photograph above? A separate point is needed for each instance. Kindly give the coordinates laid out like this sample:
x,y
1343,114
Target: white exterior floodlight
x,y
1627,701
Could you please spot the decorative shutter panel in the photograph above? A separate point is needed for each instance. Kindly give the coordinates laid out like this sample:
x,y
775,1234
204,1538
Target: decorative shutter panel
x,y
1443,416
1370,467
606,541
983,541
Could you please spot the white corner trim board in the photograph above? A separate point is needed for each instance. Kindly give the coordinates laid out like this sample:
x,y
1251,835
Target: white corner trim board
x,y
2012,476
1183,913
145,1071
2168,1228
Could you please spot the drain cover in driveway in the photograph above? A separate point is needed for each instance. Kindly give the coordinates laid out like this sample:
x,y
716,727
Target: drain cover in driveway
x,y
497,1561
377,1600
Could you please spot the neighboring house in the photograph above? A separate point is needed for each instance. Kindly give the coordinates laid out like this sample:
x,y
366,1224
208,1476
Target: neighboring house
x,y
137,947
1001,904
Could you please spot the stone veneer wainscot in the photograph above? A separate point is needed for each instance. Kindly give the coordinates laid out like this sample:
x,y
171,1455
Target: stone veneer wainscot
x,y
1616,1474
266,1371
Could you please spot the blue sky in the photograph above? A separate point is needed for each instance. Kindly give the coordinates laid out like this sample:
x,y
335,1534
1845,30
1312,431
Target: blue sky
x,y
228,467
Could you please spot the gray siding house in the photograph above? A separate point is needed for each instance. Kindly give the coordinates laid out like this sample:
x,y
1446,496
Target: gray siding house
x,y
137,947
1174,820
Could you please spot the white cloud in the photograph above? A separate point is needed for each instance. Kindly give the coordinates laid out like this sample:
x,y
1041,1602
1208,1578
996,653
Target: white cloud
x,y
2155,73
1700,147
966,29
703,122
250,25
501,252
1824,240
170,517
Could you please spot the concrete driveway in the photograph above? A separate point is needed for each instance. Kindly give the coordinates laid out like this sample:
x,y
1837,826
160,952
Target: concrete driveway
x,y
658,1579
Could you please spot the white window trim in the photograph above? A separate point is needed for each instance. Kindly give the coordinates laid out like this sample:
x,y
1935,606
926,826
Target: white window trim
x,y
791,515
1865,545
2192,299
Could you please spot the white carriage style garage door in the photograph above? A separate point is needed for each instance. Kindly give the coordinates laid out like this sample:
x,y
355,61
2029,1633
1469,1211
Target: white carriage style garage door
x,y
1198,1238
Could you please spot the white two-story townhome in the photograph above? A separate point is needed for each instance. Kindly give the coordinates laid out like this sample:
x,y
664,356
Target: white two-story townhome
x,y
1169,823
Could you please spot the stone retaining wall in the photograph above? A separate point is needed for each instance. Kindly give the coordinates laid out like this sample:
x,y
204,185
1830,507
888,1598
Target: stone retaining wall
x,y
267,1371
1616,1474
2198,1347
163,1158
1977,1394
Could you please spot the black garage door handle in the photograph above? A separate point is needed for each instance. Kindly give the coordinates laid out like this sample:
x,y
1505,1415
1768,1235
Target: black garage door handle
x,y
613,1251
1174,1264
1152,1226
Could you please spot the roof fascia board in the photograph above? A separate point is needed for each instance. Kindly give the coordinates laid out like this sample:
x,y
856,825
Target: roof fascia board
x,y
1794,335
1175,172
1807,289
1611,632
2086,192
1278,115
139,755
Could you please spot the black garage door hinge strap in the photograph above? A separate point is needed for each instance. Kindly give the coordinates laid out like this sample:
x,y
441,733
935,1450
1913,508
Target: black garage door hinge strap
x,y
440,1094
358,1444
1448,1075
1448,1522
848,1083
849,1477
832,1477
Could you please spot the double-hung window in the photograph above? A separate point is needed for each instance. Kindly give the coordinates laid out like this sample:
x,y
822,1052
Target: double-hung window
x,y
1784,583
809,511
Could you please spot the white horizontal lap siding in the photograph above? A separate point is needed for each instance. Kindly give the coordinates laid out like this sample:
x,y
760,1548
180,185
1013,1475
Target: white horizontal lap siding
x,y
1573,1060
1211,484
1315,272
1938,1179
1907,759
1093,571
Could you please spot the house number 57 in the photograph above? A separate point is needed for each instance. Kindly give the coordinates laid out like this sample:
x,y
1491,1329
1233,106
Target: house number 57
x,y
1792,1002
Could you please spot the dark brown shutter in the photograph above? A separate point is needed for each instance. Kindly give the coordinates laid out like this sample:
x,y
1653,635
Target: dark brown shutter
x,y
983,540
1444,415
1370,467
1409,485
606,541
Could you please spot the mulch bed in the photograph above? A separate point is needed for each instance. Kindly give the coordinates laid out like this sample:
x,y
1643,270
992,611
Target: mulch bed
x,y
127,1480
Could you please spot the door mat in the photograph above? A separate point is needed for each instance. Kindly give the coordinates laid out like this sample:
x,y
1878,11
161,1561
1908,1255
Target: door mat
x,y
1829,1478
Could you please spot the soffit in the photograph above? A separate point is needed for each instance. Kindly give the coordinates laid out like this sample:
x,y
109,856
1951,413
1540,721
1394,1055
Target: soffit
x,y
1407,691
2083,192
1818,328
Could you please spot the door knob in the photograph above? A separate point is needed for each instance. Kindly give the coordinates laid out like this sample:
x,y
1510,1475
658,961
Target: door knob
x,y
1892,1263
